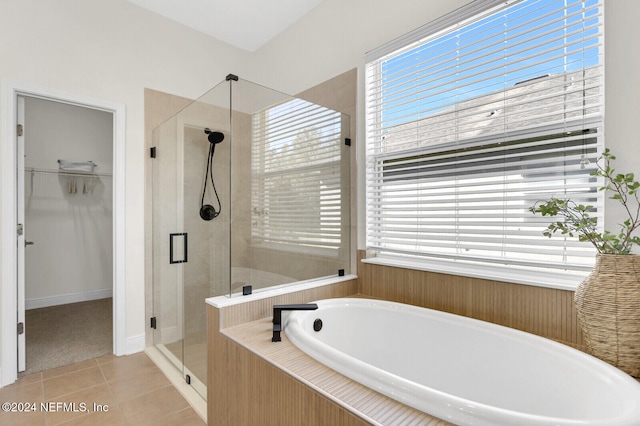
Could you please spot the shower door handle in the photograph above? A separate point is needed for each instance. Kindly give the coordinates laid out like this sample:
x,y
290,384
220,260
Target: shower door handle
x,y
184,247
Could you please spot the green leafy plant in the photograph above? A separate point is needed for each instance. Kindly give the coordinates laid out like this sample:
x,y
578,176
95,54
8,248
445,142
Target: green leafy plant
x,y
577,219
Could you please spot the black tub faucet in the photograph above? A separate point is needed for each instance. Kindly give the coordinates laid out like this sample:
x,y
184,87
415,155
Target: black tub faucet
x,y
277,316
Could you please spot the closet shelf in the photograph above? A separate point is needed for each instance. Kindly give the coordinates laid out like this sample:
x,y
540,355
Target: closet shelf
x,y
77,166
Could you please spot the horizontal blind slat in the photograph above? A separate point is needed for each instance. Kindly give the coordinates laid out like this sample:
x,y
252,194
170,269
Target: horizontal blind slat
x,y
470,127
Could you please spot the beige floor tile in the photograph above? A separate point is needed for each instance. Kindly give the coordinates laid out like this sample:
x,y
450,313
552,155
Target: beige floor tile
x,y
31,392
31,378
72,382
138,393
153,407
35,418
113,417
105,359
22,392
54,372
125,388
125,367
80,403
187,417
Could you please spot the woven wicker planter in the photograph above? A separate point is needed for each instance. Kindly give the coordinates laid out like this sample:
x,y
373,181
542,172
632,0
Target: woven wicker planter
x,y
608,306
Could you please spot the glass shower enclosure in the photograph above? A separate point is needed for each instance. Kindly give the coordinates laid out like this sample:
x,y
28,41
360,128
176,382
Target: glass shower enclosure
x,y
250,191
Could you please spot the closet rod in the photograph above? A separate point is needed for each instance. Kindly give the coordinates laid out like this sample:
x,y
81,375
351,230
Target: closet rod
x,y
57,172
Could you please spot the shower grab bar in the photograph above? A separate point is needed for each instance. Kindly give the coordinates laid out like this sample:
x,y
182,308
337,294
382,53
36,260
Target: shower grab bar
x,y
185,245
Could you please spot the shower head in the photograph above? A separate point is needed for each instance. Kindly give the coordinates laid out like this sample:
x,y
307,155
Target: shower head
x,y
214,137
207,211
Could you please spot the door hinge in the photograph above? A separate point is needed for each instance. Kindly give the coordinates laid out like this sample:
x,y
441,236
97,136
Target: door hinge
x,y
19,129
20,328
347,141
153,322
20,229
187,379
152,152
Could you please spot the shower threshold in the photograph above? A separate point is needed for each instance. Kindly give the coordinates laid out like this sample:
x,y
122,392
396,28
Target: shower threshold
x,y
168,363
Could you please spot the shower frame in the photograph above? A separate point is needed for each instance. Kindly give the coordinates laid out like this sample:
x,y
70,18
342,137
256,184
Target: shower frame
x,y
226,261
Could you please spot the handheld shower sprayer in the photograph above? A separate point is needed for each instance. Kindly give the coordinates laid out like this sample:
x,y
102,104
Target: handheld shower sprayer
x,y
207,211
214,137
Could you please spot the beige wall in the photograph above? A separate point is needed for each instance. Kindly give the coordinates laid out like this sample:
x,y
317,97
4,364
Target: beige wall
x,y
622,93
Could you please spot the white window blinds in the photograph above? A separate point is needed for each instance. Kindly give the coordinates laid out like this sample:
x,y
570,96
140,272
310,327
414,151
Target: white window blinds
x,y
296,176
468,127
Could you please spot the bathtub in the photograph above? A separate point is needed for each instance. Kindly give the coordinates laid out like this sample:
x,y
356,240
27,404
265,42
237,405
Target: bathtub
x,y
464,371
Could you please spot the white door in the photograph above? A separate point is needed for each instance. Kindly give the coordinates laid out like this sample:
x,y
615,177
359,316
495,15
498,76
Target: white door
x,y
21,129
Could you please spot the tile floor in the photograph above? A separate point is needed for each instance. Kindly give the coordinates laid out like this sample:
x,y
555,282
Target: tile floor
x,y
131,390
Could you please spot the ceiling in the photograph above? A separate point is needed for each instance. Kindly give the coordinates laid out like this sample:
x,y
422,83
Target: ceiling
x,y
247,24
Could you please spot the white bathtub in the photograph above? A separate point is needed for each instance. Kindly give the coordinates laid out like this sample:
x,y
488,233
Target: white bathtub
x,y
462,370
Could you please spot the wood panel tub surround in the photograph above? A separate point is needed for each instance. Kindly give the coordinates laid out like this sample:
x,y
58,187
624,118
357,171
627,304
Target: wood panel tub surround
x,y
543,311
243,388
260,382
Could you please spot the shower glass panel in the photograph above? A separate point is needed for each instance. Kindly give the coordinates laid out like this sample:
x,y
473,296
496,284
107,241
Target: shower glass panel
x,y
274,170
290,189
167,276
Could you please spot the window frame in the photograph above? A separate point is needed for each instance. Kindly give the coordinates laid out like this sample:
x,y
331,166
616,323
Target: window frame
x,y
506,272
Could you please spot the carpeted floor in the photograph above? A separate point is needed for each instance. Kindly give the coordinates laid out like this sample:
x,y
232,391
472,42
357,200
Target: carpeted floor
x,y
66,334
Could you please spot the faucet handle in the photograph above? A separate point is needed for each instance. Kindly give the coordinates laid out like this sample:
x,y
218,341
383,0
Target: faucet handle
x,y
277,316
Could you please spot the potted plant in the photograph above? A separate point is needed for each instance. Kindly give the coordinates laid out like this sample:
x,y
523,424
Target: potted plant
x,y
608,300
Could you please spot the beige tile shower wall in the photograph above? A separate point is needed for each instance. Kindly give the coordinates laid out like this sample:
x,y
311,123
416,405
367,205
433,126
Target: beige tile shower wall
x,y
546,312
204,275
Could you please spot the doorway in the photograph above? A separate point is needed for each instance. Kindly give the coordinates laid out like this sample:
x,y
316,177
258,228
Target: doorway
x,y
65,204
11,251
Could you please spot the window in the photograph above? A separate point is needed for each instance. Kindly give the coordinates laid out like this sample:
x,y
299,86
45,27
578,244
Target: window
x,y
296,177
475,117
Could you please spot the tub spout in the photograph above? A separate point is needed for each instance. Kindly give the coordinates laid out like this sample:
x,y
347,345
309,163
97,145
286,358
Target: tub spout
x,y
277,316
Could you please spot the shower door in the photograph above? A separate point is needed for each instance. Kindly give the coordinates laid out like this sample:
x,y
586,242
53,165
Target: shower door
x,y
170,246
190,254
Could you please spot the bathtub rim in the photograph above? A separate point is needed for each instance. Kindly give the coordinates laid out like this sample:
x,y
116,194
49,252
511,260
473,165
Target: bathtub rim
x,y
352,396
335,360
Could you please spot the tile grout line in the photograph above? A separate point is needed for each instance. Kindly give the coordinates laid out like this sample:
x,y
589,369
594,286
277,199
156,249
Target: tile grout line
x,y
113,395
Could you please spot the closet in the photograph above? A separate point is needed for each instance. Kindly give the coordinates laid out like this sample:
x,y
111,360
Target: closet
x,y
68,226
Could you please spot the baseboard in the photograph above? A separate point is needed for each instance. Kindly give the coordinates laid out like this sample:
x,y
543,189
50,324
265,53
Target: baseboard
x,y
134,344
63,299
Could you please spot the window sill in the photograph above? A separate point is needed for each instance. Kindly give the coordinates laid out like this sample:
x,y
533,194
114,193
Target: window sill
x,y
555,279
